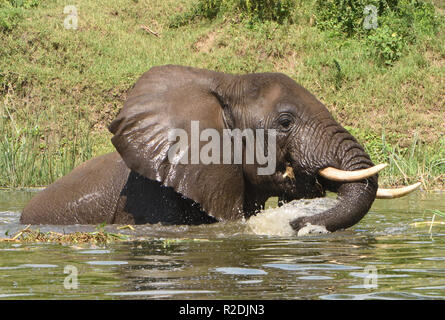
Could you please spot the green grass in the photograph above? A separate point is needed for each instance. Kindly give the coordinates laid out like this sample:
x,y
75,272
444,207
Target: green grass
x,y
32,154
59,88
409,162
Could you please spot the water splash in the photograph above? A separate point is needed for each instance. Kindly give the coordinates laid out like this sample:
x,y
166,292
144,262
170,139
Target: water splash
x,y
275,221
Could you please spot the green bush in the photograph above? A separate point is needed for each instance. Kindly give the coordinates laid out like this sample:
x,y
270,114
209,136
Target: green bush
x,y
387,45
342,16
398,22
259,10
348,16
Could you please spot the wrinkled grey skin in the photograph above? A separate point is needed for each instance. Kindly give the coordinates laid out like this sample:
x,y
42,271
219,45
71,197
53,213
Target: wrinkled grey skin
x,y
137,184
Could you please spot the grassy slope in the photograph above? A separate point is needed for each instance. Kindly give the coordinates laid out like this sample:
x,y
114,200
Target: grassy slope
x,y
60,88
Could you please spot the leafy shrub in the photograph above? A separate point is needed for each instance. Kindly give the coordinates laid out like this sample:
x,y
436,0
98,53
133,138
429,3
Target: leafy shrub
x,y
398,23
348,16
387,45
341,16
260,10
422,15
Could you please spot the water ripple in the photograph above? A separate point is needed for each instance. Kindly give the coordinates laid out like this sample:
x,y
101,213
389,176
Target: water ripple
x,y
240,271
301,266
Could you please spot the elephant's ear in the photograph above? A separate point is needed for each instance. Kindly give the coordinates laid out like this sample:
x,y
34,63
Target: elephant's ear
x,y
167,98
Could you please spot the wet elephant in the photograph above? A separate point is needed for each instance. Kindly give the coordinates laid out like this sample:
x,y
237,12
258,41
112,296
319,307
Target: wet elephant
x,y
143,183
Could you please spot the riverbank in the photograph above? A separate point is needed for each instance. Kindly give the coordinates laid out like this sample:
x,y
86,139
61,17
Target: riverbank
x,y
60,88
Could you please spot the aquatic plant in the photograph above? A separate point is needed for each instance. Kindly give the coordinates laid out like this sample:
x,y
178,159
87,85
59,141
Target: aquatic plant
x,y
100,236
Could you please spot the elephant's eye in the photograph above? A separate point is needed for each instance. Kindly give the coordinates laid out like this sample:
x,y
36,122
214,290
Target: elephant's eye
x,y
285,122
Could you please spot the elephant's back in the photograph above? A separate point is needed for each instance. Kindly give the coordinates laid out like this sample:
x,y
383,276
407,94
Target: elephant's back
x,y
87,195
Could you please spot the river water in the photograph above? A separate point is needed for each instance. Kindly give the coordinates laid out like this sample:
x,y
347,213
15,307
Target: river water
x,y
383,257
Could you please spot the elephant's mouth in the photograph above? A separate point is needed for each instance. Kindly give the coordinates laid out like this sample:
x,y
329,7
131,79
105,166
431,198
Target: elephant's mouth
x,y
302,183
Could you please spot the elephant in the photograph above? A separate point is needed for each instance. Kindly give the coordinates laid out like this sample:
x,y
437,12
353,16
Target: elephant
x,y
139,183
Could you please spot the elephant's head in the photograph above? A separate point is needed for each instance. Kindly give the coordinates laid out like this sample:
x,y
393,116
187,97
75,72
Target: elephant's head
x,y
309,143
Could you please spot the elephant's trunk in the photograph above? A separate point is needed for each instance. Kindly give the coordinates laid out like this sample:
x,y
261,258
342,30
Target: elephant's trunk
x,y
354,198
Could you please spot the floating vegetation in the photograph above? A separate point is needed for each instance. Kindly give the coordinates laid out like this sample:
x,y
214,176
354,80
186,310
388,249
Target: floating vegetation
x,y
100,236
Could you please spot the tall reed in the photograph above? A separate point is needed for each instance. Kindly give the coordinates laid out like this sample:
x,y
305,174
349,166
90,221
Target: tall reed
x,y
34,152
417,162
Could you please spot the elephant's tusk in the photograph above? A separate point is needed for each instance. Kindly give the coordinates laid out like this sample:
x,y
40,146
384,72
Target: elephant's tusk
x,y
396,193
346,176
289,173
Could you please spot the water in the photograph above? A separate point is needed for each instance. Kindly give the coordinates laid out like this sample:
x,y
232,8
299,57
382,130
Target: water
x,y
383,257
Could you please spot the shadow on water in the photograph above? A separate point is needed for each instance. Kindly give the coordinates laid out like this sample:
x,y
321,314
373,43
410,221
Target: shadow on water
x,y
383,257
